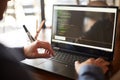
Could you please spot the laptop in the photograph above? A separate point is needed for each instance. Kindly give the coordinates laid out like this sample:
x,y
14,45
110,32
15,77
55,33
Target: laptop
x,y
79,33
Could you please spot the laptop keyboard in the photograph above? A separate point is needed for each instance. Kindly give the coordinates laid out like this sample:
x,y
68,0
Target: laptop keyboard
x,y
67,58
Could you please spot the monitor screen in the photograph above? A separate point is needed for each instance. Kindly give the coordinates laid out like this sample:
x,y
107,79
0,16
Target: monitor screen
x,y
83,26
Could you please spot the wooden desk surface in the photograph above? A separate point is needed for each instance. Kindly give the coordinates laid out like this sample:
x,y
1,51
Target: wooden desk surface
x,y
43,75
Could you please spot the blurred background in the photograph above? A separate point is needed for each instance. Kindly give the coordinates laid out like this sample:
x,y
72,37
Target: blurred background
x,y
29,12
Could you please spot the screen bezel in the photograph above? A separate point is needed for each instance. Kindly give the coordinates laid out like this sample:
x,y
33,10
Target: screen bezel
x,y
88,48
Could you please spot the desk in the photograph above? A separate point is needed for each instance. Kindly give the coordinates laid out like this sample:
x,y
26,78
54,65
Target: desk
x,y
43,75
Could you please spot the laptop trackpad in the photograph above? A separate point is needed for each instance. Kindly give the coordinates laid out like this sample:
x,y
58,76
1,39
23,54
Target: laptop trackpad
x,y
58,68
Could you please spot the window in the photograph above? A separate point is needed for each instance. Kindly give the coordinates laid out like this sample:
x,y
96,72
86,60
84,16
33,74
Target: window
x,y
21,12
28,12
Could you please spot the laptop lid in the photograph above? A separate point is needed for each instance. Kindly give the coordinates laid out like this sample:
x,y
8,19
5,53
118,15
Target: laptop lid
x,y
84,30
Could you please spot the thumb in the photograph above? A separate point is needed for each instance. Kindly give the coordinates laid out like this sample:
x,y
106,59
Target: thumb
x,y
77,66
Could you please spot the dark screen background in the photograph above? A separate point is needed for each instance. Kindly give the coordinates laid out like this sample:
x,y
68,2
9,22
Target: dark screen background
x,y
70,24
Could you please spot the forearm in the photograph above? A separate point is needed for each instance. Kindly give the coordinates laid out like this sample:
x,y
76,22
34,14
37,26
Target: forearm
x,y
91,72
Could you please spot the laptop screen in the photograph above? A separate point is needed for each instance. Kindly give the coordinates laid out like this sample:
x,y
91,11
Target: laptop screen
x,y
76,27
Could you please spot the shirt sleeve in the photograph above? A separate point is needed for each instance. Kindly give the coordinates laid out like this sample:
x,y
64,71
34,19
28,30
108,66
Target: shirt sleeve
x,y
17,52
10,65
90,72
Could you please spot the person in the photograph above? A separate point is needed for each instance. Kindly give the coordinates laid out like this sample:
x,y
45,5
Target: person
x,y
91,69
10,65
94,69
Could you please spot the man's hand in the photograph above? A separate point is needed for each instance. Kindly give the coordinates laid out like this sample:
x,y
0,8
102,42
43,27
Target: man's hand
x,y
97,62
31,51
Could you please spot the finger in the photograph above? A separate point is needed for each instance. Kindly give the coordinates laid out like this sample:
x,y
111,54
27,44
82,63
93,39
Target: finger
x,y
43,55
46,46
105,63
77,66
105,69
91,60
99,60
48,53
102,61
77,62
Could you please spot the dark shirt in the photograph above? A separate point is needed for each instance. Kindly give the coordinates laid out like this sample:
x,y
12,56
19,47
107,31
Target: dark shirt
x,y
10,66
90,72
